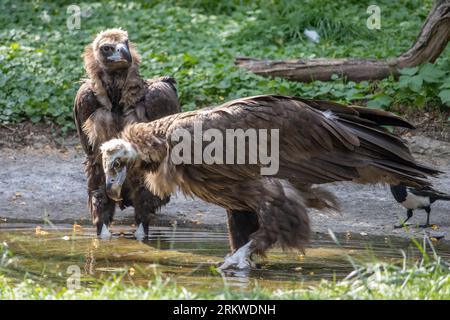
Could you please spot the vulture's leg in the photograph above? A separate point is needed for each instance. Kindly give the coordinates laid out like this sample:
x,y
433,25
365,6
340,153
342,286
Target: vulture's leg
x,y
145,205
100,206
241,224
282,218
102,211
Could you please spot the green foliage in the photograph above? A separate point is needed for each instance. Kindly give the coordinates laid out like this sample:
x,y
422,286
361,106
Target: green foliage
x,y
197,41
424,85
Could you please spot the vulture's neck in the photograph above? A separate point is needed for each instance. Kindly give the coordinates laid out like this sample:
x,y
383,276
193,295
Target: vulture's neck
x,y
114,83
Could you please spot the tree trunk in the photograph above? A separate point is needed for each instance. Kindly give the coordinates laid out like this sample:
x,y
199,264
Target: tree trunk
x,y
430,43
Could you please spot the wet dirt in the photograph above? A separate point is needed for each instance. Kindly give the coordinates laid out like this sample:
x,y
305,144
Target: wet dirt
x,y
46,183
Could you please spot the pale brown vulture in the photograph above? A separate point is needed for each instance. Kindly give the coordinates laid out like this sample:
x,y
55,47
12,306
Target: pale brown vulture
x,y
319,142
113,96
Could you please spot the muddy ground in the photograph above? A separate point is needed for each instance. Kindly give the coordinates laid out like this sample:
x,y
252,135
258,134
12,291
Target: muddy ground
x,y
42,180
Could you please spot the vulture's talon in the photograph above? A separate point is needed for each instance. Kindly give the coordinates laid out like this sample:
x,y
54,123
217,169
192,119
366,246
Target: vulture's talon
x,y
105,233
140,233
240,259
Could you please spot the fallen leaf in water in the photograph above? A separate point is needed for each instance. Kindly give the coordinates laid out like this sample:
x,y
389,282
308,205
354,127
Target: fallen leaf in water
x,y
77,228
433,239
131,271
95,243
41,232
434,227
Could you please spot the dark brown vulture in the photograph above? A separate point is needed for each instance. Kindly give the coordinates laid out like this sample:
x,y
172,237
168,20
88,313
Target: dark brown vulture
x,y
113,96
318,142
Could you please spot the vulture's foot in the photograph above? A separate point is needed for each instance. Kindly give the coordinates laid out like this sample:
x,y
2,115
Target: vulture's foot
x,y
240,259
140,233
104,233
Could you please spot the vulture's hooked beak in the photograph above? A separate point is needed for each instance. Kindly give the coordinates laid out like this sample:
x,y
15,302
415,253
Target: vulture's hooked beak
x,y
114,184
121,54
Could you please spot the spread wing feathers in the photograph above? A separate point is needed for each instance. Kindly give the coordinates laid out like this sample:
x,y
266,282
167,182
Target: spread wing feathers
x,y
319,142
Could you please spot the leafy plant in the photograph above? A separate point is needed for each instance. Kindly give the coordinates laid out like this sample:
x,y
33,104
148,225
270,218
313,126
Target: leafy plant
x,y
40,63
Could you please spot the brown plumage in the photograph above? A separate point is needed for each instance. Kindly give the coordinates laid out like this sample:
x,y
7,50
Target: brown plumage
x,y
319,142
113,96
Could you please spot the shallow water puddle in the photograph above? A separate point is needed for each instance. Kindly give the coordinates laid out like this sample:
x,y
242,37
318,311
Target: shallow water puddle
x,y
187,256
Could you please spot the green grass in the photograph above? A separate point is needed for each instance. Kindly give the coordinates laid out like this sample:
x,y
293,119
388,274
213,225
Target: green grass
x,y
197,41
429,280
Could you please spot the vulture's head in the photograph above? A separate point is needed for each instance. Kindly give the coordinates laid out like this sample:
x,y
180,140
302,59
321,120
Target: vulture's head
x,y
110,51
118,157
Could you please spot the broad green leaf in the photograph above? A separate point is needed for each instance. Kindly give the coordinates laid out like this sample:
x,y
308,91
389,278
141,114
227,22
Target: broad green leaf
x,y
415,83
382,101
430,73
446,83
445,96
409,71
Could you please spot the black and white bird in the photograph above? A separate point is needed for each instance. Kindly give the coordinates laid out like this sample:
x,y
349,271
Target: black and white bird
x,y
414,199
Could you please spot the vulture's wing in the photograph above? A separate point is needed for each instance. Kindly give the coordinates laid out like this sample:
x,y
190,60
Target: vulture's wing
x,y
84,106
319,141
161,98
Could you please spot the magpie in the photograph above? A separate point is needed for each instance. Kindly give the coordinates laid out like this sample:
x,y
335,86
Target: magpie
x,y
413,199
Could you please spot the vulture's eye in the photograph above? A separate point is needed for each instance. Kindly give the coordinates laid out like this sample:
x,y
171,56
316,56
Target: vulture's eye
x,y
106,48
117,164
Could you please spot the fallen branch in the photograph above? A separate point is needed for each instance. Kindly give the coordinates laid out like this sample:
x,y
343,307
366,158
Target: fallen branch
x,y
430,43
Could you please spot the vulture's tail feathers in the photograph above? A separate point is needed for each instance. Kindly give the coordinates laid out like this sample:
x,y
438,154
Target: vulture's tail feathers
x,y
382,118
389,154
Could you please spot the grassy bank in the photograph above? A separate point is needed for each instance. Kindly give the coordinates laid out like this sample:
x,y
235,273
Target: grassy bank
x,y
197,41
373,281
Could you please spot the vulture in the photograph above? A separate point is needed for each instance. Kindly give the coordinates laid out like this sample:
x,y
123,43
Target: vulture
x,y
311,142
415,199
113,96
